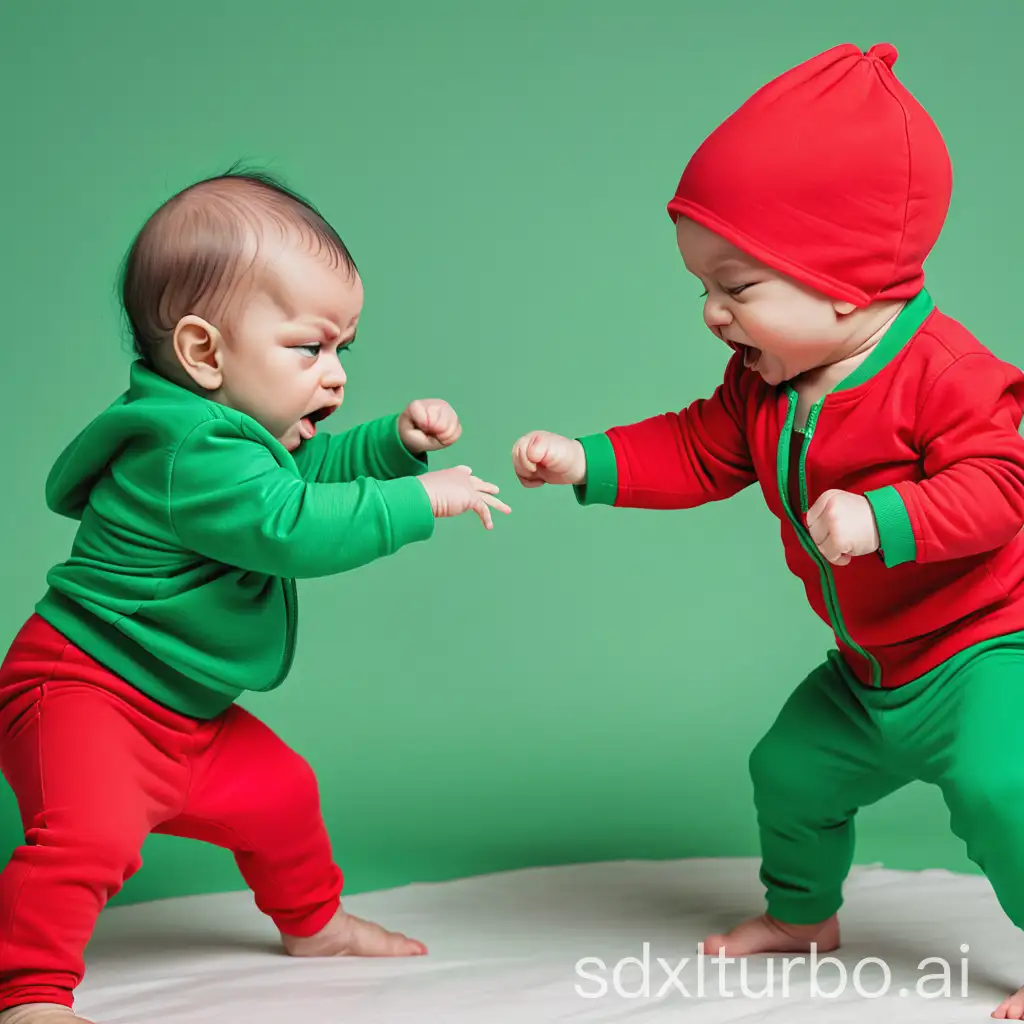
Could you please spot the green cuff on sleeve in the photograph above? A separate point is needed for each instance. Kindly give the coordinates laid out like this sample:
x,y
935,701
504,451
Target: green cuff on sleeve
x,y
412,517
396,456
894,528
602,483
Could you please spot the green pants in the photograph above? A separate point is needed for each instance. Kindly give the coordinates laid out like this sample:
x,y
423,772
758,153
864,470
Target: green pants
x,y
838,745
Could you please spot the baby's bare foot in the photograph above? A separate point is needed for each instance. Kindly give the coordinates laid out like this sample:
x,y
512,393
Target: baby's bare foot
x,y
764,934
348,935
41,1013
1012,1008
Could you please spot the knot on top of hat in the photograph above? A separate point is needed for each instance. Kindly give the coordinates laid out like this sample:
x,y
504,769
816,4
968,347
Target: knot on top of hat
x,y
885,52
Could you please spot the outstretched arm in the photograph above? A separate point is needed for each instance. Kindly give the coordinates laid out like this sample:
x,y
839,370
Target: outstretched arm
x,y
230,500
675,460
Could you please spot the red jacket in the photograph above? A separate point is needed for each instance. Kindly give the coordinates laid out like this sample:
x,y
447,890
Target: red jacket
x,y
926,428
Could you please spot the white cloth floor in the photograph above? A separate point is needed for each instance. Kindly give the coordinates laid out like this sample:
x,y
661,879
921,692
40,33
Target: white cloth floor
x,y
507,949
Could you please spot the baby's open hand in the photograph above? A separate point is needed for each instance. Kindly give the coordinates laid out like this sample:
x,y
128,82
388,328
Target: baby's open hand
x,y
542,458
454,491
843,526
427,425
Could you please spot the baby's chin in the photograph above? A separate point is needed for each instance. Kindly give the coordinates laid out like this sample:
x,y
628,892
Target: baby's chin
x,y
772,380
770,370
291,439
772,375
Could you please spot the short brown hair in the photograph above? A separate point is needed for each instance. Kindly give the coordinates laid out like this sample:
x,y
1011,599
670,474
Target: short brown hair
x,y
188,255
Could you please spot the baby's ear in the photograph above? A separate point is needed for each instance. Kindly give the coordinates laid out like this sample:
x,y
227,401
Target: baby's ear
x,y
197,346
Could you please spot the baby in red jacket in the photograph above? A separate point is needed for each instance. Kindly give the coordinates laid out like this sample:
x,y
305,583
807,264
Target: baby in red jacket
x,y
884,437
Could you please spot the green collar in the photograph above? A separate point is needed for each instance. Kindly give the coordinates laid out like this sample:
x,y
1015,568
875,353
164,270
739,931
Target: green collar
x,y
905,326
145,382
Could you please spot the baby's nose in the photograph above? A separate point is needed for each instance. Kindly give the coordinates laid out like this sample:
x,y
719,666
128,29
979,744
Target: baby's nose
x,y
334,377
716,314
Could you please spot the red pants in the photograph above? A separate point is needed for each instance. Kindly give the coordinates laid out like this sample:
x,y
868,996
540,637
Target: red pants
x,y
96,767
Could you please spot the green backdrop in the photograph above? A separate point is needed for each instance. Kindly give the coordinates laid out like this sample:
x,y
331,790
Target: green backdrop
x,y
580,684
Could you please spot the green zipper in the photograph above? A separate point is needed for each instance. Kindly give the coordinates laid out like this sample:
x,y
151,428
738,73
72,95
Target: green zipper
x,y
824,567
911,317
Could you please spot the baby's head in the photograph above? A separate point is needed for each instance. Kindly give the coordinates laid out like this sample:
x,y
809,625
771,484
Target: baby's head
x,y
238,288
808,214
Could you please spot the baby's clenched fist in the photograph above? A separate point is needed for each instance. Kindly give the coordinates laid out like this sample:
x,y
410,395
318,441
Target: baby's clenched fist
x,y
427,425
842,526
543,458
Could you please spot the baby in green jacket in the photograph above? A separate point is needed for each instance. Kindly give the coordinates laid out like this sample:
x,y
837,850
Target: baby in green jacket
x,y
202,494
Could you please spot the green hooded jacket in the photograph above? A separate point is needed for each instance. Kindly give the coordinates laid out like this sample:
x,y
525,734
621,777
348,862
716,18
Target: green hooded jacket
x,y
194,523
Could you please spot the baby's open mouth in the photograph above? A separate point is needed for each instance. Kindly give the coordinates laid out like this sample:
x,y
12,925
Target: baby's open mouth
x,y
750,354
307,425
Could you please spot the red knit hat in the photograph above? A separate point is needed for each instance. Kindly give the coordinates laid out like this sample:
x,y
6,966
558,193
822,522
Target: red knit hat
x,y
832,174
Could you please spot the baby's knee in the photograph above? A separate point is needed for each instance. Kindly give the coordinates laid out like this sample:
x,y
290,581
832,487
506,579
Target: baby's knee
x,y
105,847
769,768
779,777
295,786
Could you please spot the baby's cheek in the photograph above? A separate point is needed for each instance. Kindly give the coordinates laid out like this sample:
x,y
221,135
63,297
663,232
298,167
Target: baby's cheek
x,y
788,341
